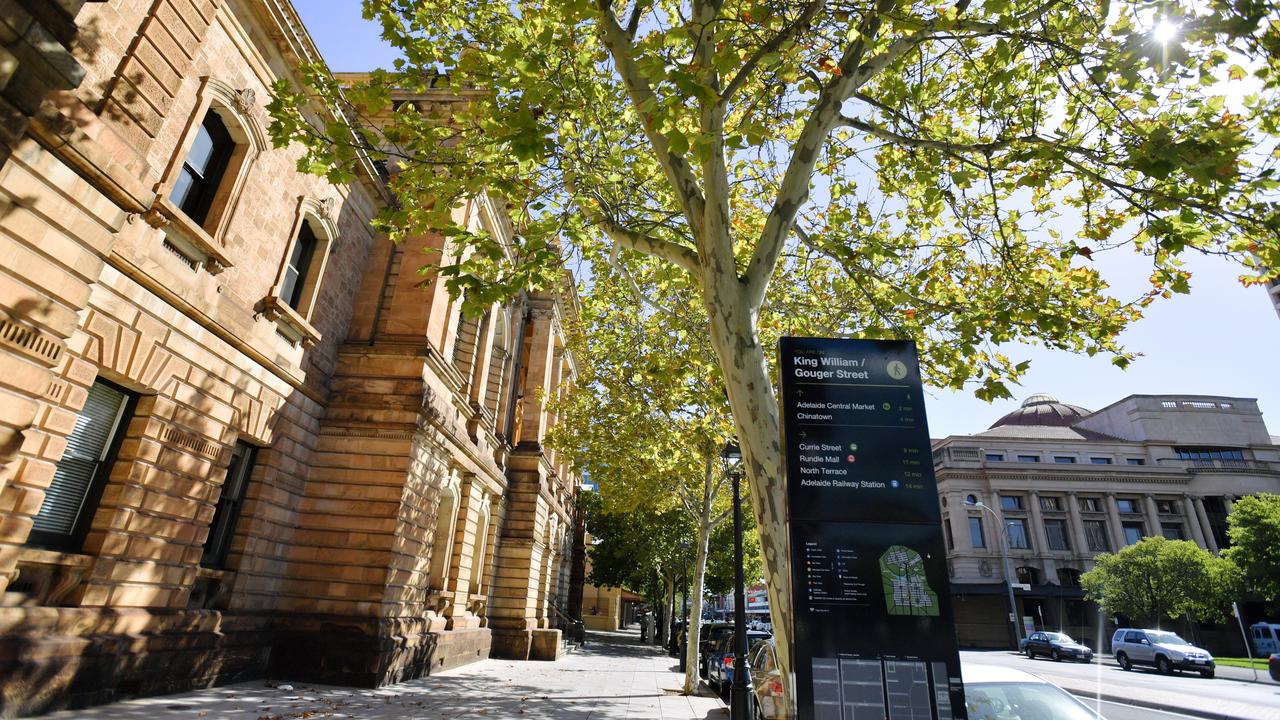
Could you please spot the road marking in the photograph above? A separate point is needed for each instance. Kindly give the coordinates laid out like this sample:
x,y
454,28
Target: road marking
x,y
1143,709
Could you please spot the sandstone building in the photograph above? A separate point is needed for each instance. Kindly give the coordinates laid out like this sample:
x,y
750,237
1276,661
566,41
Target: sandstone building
x,y
1065,483
236,439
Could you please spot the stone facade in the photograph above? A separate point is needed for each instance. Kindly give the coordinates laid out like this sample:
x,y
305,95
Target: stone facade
x,y
1069,483
315,469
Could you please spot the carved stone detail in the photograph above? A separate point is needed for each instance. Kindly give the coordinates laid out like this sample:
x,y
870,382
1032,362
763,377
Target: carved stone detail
x,y
245,100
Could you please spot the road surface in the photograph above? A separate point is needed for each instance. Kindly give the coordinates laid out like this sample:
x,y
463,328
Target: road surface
x,y
1213,698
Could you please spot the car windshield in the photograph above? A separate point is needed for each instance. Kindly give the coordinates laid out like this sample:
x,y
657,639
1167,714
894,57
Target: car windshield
x,y
1060,637
1023,701
1166,638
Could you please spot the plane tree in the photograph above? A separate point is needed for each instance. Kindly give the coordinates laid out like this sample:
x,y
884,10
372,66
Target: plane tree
x,y
959,165
648,418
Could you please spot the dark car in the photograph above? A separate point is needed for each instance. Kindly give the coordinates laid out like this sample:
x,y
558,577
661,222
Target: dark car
x,y
710,634
720,661
1058,646
1273,666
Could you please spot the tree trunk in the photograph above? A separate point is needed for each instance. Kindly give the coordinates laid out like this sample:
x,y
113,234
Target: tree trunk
x,y
755,415
671,607
693,632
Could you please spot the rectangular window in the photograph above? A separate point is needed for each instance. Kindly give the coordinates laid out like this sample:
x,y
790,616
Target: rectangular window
x,y
203,168
1165,507
946,528
1126,505
1091,504
1050,503
1099,461
1018,538
295,275
1028,458
995,457
78,480
975,532
1135,461
1173,531
1132,533
1095,533
1064,459
1208,453
1011,502
1056,533
223,526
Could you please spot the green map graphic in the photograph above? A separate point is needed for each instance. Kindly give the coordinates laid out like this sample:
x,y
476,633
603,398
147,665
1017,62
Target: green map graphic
x,y
906,590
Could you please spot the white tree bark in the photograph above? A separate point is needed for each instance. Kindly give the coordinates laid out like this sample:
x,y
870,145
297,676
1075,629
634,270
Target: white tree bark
x,y
755,414
695,611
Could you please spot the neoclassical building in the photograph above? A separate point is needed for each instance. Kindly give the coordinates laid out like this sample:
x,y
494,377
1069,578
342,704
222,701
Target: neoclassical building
x,y
1064,483
237,439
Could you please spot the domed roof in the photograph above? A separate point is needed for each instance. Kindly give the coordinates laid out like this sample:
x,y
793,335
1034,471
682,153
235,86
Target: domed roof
x,y
1043,409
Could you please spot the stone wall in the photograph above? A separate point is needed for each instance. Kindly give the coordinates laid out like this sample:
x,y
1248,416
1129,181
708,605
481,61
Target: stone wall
x,y
379,522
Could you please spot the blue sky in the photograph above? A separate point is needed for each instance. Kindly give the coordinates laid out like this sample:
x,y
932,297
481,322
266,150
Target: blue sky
x,y
1223,339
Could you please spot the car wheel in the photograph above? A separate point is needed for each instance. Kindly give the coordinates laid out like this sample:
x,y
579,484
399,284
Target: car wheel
x,y
1162,665
1057,656
1206,673
1123,660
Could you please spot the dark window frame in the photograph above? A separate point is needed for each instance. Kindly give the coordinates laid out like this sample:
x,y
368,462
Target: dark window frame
x,y
976,532
73,541
205,183
226,514
297,269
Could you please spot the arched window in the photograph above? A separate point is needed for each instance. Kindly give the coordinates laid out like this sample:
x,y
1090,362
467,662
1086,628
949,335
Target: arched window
x,y
293,297
202,170
1028,575
201,187
481,545
442,538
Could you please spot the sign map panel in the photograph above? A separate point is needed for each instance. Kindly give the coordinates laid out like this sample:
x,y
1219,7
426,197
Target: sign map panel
x,y
874,627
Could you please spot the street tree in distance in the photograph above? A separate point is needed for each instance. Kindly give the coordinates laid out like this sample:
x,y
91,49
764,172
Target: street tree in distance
x,y
1157,579
648,418
1254,529
639,550
957,165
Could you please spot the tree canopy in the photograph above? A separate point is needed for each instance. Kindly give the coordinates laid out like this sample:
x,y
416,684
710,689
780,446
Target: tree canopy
x,y
1254,529
943,170
1159,579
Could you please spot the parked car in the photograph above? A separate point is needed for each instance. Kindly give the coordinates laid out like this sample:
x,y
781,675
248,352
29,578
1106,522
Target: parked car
x,y
1273,666
995,692
720,661
1163,650
766,681
710,634
1058,646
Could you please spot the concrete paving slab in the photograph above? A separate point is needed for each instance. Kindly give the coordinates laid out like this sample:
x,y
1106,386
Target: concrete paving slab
x,y
612,676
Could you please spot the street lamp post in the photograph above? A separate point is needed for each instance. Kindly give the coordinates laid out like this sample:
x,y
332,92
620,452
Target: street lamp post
x,y
739,696
972,501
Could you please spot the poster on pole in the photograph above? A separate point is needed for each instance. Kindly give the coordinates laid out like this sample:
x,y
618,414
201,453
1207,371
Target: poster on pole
x,y
874,627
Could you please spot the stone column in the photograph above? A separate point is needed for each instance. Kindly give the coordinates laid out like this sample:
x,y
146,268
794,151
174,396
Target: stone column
x,y
1079,541
540,363
1113,519
1040,538
1153,516
1193,522
958,517
480,361
1202,519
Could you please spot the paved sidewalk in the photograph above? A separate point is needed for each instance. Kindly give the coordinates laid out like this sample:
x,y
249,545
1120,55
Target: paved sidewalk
x,y
613,676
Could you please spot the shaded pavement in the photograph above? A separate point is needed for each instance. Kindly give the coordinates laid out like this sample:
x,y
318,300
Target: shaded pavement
x,y
612,676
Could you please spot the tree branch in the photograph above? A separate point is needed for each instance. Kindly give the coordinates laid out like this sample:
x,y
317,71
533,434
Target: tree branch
x,y
674,165
773,45
679,255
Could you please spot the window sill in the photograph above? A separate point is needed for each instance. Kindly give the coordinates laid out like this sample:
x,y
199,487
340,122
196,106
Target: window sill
x,y
165,215
51,576
292,326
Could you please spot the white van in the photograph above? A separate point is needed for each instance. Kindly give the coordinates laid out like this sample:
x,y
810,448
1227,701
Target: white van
x,y
1266,638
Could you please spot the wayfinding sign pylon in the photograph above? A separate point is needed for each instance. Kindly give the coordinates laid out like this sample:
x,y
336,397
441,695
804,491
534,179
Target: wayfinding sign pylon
x,y
874,628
